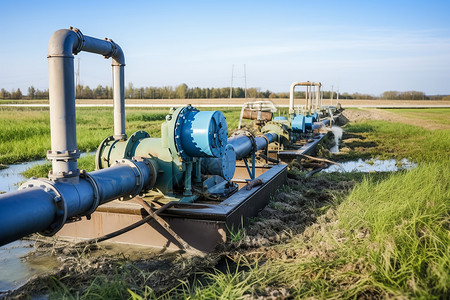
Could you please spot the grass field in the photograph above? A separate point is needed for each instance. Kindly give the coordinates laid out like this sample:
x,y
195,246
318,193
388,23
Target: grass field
x,y
25,132
439,115
386,237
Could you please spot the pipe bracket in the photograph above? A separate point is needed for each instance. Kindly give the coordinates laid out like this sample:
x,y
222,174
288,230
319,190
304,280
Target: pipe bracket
x,y
60,204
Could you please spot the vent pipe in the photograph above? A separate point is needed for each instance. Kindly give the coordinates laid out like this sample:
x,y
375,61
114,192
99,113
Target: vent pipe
x,y
62,46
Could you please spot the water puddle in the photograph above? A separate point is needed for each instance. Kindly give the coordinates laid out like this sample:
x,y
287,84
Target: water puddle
x,y
372,165
337,131
11,176
16,270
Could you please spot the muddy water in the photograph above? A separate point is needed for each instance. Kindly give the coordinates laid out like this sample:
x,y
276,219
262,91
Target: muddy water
x,y
15,270
372,165
337,132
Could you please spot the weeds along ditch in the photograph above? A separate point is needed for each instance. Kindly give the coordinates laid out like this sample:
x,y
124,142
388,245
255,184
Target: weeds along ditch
x,y
336,235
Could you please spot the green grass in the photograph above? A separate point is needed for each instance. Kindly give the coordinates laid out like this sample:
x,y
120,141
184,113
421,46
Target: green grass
x,y
438,115
395,140
25,132
389,237
392,240
84,163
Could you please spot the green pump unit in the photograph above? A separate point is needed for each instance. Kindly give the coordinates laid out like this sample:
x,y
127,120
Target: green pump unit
x,y
188,137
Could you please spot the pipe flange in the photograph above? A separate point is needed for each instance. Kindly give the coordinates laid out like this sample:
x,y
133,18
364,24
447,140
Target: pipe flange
x,y
179,122
81,40
61,207
113,50
96,200
98,154
133,141
63,155
137,172
251,138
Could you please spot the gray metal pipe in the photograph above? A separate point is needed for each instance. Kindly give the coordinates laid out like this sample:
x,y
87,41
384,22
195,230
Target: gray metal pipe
x,y
44,205
291,96
62,45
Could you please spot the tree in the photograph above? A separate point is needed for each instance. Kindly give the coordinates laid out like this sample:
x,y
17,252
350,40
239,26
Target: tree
x,y
88,93
4,94
16,94
129,91
181,91
31,92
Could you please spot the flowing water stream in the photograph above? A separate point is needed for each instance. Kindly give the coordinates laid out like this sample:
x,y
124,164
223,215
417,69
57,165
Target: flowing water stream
x,y
372,165
337,132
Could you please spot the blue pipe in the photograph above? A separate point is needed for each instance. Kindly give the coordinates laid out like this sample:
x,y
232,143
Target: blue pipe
x,y
243,144
44,206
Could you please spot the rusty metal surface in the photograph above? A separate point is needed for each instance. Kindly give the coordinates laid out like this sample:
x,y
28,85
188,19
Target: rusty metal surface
x,y
202,235
253,115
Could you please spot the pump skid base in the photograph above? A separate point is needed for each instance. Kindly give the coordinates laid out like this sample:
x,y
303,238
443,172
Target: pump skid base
x,y
202,225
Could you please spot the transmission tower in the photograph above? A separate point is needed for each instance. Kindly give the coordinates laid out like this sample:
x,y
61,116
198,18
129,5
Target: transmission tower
x,y
234,76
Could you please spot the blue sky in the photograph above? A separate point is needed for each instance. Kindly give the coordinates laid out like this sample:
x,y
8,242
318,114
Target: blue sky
x,y
360,46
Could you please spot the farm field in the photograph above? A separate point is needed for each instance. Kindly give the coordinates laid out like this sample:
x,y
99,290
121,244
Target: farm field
x,y
237,102
337,235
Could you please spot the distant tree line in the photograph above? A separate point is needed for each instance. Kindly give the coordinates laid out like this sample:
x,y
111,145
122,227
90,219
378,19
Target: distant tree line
x,y
182,91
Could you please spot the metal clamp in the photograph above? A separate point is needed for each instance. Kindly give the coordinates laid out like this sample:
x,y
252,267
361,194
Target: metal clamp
x,y
61,207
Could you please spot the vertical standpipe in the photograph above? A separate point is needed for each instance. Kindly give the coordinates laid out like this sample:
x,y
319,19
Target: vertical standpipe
x,y
62,45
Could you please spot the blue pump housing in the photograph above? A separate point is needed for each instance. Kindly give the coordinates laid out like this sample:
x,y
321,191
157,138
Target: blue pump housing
x,y
298,123
309,120
201,133
224,166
